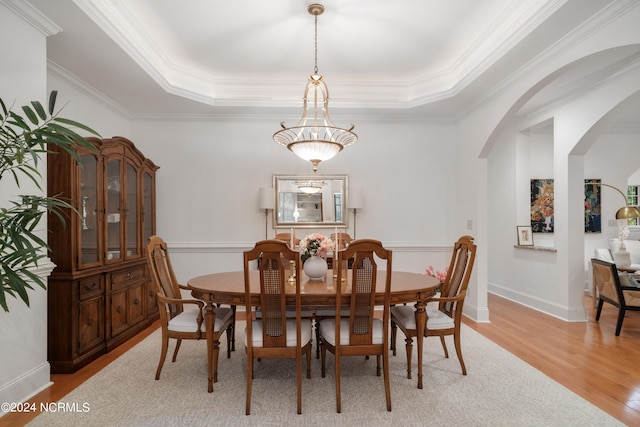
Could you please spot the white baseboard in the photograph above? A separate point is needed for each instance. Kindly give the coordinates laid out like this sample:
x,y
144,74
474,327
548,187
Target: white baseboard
x,y
548,307
26,386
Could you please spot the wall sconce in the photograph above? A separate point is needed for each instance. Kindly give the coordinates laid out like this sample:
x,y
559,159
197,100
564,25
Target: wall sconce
x,y
355,203
266,201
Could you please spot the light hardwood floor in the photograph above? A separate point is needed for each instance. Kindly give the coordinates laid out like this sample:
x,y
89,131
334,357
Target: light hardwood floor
x,y
586,357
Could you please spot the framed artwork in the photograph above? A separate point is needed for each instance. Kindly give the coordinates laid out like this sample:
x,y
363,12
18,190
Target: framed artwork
x,y
592,219
525,235
542,205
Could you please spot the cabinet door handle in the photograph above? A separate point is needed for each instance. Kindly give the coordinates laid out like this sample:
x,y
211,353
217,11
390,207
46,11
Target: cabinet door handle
x,y
119,309
129,276
89,322
136,301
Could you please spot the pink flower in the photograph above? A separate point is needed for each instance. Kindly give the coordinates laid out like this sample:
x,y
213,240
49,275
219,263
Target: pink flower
x,y
430,271
440,275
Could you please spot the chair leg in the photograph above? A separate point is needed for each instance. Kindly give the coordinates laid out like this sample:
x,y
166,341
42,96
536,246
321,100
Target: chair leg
x,y
338,403
600,303
387,383
378,365
444,346
456,340
163,353
323,354
299,383
317,341
409,347
394,333
309,362
175,352
233,329
216,353
249,378
229,338
621,312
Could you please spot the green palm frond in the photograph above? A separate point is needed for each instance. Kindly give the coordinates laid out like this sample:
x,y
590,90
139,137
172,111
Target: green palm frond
x,y
24,139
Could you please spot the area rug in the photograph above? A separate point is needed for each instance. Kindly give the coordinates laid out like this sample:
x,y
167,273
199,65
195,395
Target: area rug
x,y
499,390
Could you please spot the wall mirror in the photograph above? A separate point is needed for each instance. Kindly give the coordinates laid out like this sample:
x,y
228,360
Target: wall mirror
x,y
310,201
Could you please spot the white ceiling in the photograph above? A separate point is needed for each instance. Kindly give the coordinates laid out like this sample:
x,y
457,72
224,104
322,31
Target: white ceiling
x,y
205,56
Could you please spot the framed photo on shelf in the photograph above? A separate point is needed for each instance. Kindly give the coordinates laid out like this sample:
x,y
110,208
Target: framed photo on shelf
x,y
525,235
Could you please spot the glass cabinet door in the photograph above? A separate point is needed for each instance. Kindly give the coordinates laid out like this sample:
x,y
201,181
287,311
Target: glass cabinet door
x,y
147,203
131,212
113,209
88,210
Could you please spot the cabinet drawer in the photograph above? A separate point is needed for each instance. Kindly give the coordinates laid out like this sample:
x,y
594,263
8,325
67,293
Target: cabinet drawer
x,y
90,287
125,278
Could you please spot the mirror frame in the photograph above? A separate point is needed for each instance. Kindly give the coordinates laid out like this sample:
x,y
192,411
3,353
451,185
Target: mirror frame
x,y
277,184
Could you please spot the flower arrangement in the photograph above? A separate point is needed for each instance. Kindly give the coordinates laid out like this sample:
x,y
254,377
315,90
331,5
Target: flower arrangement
x,y
440,275
315,244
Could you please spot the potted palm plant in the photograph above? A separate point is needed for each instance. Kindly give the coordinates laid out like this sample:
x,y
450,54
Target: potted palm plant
x,y
24,138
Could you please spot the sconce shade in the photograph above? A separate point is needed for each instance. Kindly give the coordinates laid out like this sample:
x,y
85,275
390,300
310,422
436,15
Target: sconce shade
x,y
355,198
267,198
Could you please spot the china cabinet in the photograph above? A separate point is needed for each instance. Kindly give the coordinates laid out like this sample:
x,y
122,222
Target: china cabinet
x,y
99,294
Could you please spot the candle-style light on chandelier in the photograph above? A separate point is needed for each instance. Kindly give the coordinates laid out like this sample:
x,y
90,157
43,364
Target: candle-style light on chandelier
x,y
315,138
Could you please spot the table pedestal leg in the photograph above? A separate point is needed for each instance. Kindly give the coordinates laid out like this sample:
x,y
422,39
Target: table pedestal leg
x,y
209,321
421,321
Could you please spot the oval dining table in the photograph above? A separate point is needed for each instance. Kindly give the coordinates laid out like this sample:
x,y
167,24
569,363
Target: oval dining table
x,y
228,288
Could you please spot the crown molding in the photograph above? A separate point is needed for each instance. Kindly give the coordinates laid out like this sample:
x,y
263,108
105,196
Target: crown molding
x,y
261,111
32,16
494,44
561,48
78,84
516,22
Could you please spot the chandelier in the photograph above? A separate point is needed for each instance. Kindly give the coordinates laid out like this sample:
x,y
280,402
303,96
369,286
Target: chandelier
x,y
310,186
315,138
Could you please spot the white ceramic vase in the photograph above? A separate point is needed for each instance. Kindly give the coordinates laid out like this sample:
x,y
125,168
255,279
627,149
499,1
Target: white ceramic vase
x,y
315,267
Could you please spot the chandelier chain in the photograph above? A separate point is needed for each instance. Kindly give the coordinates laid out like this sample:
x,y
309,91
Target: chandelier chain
x,y
315,68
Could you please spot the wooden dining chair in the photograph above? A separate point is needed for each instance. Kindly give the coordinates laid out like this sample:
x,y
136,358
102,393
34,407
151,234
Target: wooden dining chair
x,y
183,318
286,237
340,240
444,320
274,334
361,333
344,238
306,311
610,289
